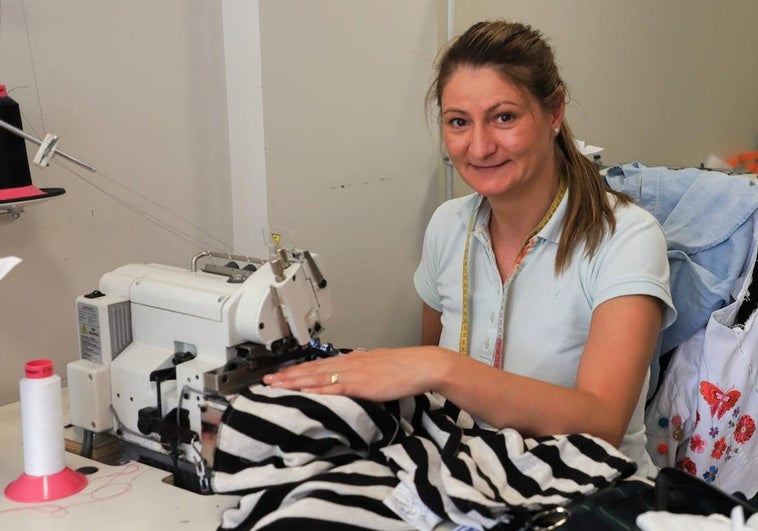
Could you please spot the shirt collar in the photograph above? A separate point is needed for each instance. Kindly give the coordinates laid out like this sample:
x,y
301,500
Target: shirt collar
x,y
551,231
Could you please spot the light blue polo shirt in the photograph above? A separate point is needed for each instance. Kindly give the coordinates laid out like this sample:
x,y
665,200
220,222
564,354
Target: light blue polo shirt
x,y
547,317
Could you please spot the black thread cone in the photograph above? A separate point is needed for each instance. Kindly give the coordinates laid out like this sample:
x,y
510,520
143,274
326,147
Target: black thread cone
x,y
14,164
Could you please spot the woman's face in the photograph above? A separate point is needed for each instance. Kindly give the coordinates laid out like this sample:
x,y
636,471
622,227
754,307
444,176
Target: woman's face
x,y
499,138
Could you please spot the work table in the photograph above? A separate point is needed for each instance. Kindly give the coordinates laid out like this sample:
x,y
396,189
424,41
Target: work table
x,y
125,497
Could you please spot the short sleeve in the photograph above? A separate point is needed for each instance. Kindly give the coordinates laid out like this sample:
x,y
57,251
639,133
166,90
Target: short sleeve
x,y
439,271
633,261
427,272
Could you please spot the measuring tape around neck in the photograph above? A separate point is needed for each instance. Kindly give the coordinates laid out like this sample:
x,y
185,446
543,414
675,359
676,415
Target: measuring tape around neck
x,y
463,346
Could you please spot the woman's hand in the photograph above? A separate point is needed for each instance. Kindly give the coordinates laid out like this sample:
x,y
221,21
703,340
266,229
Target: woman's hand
x,y
379,375
611,373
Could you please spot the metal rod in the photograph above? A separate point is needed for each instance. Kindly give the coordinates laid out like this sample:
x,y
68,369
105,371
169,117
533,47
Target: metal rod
x,y
30,138
14,211
227,256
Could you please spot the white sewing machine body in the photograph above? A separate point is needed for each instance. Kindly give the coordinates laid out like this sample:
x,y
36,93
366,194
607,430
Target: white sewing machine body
x,y
163,348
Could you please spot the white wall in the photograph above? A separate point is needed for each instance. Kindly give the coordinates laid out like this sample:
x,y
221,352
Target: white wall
x,y
139,90
350,158
244,96
662,82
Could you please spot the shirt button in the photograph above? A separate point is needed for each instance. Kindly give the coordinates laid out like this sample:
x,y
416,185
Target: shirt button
x,y
492,317
486,344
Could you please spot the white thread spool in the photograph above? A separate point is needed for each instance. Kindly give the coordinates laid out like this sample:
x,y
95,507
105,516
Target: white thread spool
x,y
45,474
42,419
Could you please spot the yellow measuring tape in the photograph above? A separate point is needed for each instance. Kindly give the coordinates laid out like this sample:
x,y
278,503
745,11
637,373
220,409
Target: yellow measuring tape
x,y
463,341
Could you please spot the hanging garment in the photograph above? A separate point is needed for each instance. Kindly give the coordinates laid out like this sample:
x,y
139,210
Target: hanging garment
x,y
707,218
703,419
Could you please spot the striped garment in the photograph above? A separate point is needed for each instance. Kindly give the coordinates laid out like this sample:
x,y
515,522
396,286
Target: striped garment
x,y
328,462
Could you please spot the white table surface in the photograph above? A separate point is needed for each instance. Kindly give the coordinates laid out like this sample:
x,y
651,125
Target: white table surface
x,y
127,497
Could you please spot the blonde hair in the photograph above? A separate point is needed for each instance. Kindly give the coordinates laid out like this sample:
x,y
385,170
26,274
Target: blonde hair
x,y
522,56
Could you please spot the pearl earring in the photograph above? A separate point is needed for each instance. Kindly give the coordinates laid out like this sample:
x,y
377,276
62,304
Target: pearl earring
x,y
556,130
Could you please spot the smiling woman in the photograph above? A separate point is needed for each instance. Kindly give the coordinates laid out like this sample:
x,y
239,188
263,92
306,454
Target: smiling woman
x,y
501,141
544,291
498,136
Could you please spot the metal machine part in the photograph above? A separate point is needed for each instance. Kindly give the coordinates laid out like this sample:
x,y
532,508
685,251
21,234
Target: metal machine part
x,y
164,349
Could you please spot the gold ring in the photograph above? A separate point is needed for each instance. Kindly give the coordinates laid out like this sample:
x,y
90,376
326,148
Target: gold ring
x,y
335,378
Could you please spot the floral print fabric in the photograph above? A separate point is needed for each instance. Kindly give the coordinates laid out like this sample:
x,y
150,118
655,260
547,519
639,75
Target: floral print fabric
x,y
703,418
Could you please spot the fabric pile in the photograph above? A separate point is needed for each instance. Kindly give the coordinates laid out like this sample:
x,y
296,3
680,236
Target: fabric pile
x,y
331,462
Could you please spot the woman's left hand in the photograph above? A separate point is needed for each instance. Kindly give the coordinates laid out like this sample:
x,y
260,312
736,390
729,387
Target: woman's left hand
x,y
379,375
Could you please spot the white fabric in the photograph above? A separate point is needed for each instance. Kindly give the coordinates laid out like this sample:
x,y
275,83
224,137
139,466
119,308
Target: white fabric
x,y
8,263
665,521
703,418
547,315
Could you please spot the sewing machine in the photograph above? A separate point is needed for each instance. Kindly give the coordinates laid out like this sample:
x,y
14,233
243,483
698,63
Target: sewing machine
x,y
163,349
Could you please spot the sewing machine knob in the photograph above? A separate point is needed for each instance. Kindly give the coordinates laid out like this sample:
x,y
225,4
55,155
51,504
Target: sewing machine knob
x,y
94,294
146,419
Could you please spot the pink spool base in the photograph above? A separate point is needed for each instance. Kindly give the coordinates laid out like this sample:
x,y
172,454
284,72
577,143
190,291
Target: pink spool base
x,y
46,488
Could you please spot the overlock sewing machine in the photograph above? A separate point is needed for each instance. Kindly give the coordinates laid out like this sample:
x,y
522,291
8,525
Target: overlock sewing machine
x,y
163,349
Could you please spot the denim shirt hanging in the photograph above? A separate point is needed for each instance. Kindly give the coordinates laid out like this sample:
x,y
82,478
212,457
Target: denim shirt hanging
x,y
707,218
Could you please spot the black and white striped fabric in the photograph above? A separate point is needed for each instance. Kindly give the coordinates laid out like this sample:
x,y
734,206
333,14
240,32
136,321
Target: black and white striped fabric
x,y
316,462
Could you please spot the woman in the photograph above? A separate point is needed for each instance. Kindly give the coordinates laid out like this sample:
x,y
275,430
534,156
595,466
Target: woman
x,y
544,292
